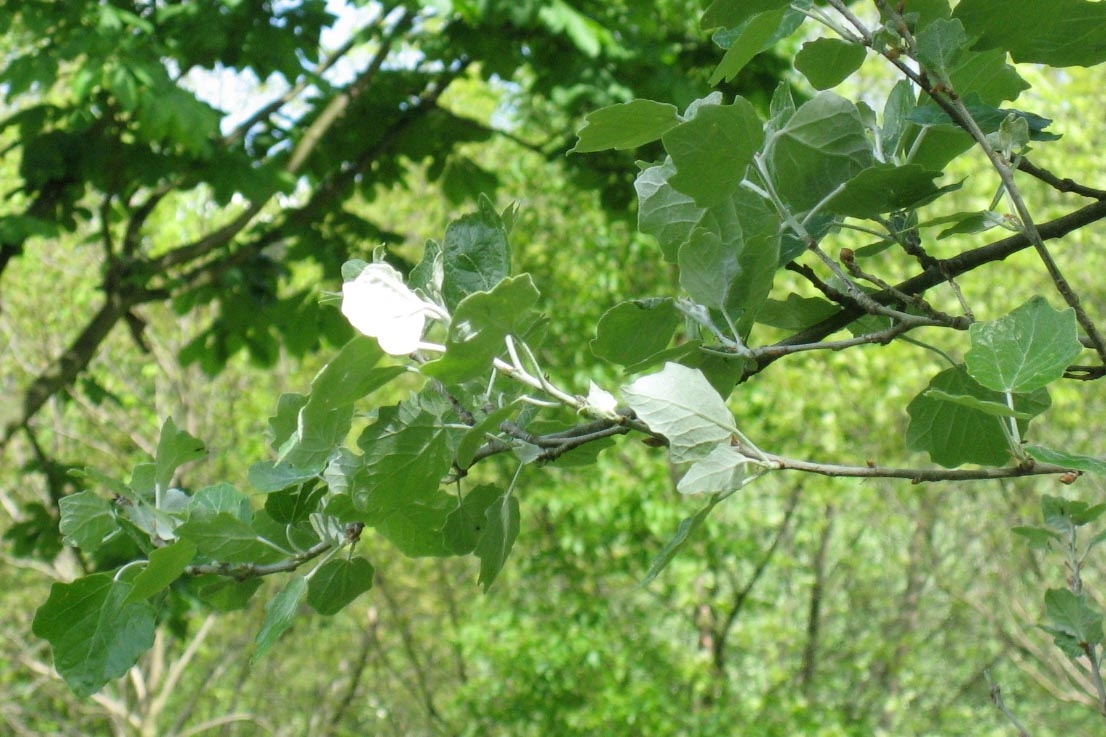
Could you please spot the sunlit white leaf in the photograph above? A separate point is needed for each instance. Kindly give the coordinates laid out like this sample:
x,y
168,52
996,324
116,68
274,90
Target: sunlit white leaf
x,y
381,306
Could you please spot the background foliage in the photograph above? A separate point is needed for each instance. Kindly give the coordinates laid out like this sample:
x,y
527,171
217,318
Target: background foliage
x,y
191,253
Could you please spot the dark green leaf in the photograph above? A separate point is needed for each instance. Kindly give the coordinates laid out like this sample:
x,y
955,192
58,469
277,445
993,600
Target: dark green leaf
x,y
940,45
467,522
752,37
1072,614
338,582
476,254
480,323
631,332
1059,33
415,528
626,125
501,527
95,632
882,188
826,62
732,13
164,567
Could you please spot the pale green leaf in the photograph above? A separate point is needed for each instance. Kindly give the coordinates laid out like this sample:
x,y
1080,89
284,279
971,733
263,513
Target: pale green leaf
x,y
175,447
680,404
940,45
664,212
687,528
227,539
995,409
823,145
1024,350
1074,461
724,469
86,519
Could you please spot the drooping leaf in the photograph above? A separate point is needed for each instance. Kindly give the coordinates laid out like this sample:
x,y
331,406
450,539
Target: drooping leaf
x,y
163,568
1059,33
724,469
86,519
337,583
687,528
279,613
501,527
795,312
626,125
712,150
1024,350
95,632
732,13
826,62
995,409
416,528
681,405
467,522
746,41
954,434
476,255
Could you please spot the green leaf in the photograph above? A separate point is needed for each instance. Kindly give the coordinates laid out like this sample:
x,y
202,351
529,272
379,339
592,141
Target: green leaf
x,y
688,526
1059,33
1024,350
896,111
681,405
663,212
988,118
940,45
227,539
407,453
349,376
86,519
229,595
467,522
826,62
732,13
1038,537
953,434
796,313
415,528
724,469
1076,462
501,527
338,582
480,323
223,498
712,150
476,254
625,125
164,567
823,145
95,632
752,37
291,506
1072,615
995,409
175,447
279,613
882,188
730,261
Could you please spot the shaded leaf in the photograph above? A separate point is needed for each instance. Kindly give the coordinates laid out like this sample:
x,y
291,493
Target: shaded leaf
x,y
712,150
338,582
279,613
826,62
164,567
501,527
625,125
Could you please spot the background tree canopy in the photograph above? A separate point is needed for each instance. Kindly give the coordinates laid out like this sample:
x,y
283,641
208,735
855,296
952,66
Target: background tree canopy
x,y
756,239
